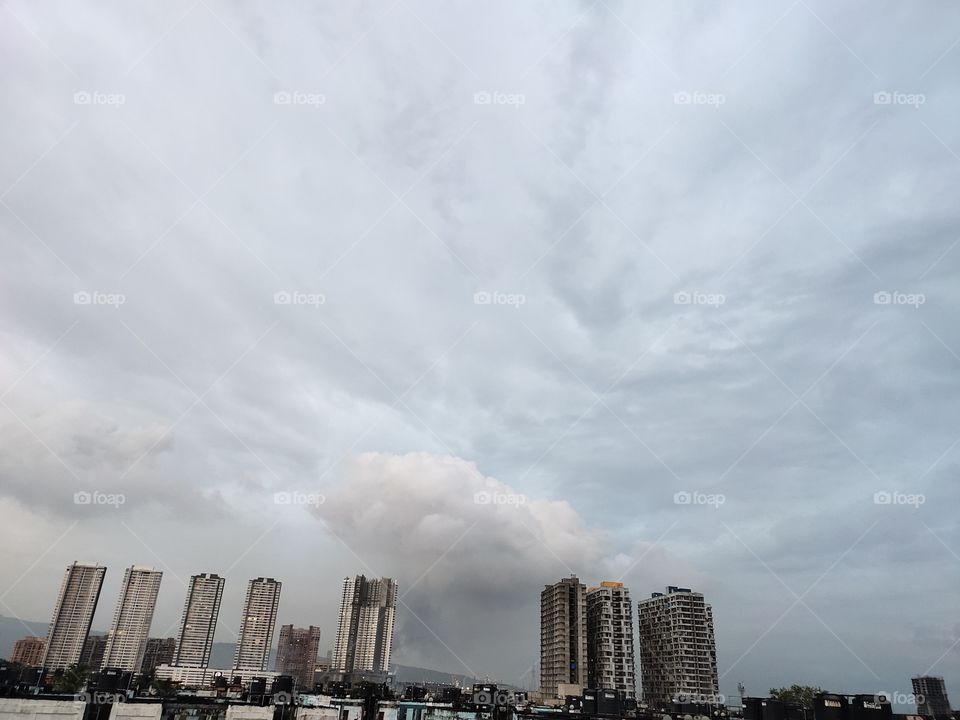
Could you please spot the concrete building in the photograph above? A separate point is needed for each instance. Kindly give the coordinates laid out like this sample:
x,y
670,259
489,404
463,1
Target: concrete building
x,y
257,624
159,651
678,654
199,621
92,654
297,654
29,651
563,636
72,615
610,658
933,691
365,628
130,629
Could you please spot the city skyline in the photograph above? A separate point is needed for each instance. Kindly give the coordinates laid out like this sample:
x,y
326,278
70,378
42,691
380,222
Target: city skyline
x,y
476,296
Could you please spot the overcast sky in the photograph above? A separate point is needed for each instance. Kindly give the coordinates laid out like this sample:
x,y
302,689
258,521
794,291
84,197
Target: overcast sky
x,y
580,258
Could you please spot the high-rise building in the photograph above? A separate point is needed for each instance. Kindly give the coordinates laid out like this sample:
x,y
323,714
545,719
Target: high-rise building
x,y
365,629
92,654
76,604
563,635
932,700
678,654
159,651
297,654
199,621
610,659
28,651
130,629
257,624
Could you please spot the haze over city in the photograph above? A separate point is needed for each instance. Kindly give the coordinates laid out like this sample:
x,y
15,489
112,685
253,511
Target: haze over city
x,y
481,296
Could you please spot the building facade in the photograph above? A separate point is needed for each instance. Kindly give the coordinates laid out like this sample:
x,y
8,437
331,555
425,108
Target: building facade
x,y
563,635
365,628
130,629
159,651
610,658
932,700
92,654
297,654
257,624
72,615
199,621
29,651
678,655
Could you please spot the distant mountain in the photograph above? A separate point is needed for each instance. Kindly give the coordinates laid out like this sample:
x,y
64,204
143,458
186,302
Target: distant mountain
x,y
12,630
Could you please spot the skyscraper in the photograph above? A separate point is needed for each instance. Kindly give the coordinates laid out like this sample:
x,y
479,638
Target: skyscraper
x,y
257,624
199,621
70,625
92,654
678,654
297,654
130,629
563,635
932,700
28,651
610,659
365,628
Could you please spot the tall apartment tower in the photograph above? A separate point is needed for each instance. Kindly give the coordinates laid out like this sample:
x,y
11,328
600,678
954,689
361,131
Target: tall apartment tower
x,y
199,621
610,659
159,651
257,624
76,604
563,635
130,629
935,703
678,654
365,629
297,654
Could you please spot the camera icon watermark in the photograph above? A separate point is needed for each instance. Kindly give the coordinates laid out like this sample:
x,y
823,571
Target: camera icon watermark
x,y
496,297
297,97
296,297
895,297
95,497
698,97
695,297
895,97
895,497
694,497
95,297
489,497
95,97
295,497
496,97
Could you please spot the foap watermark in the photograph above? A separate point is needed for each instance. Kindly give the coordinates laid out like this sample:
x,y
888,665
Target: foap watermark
x,y
886,297
696,297
499,298
894,97
898,698
685,497
700,699
95,497
895,497
96,97
496,97
296,297
95,297
295,497
298,97
100,698
493,497
698,97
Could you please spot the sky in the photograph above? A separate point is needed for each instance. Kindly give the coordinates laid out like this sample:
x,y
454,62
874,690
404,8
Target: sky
x,y
479,296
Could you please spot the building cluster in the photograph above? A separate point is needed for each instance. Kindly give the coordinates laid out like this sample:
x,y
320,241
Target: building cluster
x,y
586,641
363,644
